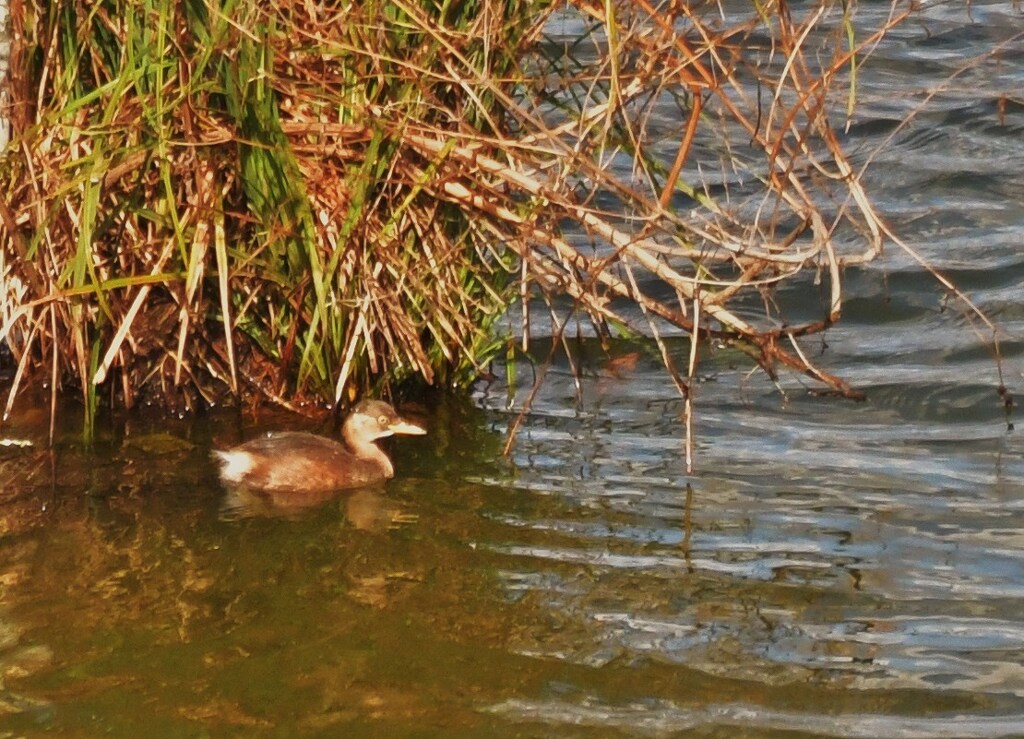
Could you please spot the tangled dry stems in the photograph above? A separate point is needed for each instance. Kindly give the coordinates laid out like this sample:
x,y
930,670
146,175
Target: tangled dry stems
x,y
293,201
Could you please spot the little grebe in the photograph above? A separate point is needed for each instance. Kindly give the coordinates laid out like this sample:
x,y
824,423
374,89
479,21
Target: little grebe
x,y
297,462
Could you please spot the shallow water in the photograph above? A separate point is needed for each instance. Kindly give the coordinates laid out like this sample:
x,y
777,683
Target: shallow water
x,y
832,568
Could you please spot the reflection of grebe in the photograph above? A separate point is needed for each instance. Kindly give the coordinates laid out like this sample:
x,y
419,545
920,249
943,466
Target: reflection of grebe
x,y
301,463
365,510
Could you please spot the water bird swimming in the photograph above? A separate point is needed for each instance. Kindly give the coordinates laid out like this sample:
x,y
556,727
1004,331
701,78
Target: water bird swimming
x,y
298,462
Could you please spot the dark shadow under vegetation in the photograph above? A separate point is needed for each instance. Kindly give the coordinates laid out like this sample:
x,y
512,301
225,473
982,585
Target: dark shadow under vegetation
x,y
304,202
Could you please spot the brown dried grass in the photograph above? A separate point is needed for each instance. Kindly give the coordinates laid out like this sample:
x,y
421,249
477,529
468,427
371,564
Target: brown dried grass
x,y
295,201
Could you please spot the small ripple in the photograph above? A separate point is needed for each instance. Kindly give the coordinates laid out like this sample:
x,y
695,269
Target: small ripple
x,y
661,717
756,568
946,632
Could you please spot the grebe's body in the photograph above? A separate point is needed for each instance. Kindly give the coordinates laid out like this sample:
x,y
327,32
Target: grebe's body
x,y
297,462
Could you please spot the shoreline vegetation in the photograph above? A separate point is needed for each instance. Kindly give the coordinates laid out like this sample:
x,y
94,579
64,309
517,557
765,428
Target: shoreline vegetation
x,y
303,202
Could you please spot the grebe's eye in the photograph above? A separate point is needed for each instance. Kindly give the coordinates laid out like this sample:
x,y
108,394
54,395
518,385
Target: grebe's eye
x,y
382,420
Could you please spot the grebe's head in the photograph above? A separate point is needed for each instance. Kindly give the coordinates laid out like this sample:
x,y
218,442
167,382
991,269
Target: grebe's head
x,y
374,419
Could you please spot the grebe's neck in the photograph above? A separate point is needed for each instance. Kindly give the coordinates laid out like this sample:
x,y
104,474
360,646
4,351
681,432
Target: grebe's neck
x,y
368,452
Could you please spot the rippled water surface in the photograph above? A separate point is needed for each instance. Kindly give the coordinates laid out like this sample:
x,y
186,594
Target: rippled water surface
x,y
832,568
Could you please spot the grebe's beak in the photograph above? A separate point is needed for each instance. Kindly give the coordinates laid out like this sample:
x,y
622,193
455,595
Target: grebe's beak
x,y
404,427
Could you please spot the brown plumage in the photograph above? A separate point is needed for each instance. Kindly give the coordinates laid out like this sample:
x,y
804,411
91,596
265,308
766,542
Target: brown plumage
x,y
297,462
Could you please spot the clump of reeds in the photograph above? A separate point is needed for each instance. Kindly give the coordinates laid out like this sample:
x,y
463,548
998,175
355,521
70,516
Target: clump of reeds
x,y
297,199
207,198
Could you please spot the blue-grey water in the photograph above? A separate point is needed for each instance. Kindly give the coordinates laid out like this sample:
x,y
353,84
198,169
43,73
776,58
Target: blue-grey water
x,y
830,568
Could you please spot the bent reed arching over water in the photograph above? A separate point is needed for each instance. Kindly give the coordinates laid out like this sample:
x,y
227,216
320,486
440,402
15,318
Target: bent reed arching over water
x,y
301,201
